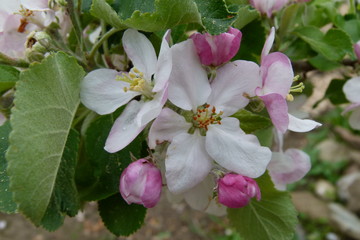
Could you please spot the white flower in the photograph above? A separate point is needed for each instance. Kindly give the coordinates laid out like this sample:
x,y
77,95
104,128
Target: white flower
x,y
105,90
210,134
351,89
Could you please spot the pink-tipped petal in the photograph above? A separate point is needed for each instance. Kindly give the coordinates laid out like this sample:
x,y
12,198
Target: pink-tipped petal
x,y
357,50
288,167
102,93
229,146
233,81
277,74
164,64
140,51
166,126
354,119
301,125
352,89
188,85
125,128
268,43
277,108
187,163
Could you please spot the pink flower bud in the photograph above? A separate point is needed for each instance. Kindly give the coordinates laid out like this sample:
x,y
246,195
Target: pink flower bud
x,y
218,49
357,49
235,191
141,183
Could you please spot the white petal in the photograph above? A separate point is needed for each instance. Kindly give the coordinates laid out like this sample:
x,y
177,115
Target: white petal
x,y
103,94
351,89
166,126
216,209
151,109
164,64
232,81
187,162
268,43
354,119
288,167
189,86
140,51
229,147
36,5
199,196
125,128
301,125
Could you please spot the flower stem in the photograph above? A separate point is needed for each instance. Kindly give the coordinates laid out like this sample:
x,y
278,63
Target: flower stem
x,y
101,41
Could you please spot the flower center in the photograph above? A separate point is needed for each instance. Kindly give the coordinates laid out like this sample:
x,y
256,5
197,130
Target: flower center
x,y
137,83
206,115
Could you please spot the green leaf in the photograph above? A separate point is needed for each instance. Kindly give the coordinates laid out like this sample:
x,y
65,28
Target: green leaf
x,y
8,77
333,45
246,15
7,203
250,122
215,16
272,218
120,218
167,14
323,64
252,42
64,199
335,92
105,168
46,100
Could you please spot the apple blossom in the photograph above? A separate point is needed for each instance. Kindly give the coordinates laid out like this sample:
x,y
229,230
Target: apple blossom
x,y
351,89
105,90
268,6
208,133
218,49
141,183
235,191
287,166
277,77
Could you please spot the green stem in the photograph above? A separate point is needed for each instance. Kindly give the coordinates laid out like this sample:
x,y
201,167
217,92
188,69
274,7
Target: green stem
x,y
13,62
352,9
105,43
101,41
76,23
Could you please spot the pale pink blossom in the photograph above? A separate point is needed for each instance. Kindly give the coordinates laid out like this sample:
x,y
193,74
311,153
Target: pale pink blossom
x,y
268,6
351,89
215,50
235,191
105,90
277,77
287,166
210,134
141,183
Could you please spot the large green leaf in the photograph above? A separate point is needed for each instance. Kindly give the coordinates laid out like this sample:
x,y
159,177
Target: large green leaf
x,y
168,13
333,45
119,217
46,100
7,203
8,77
156,15
104,168
272,218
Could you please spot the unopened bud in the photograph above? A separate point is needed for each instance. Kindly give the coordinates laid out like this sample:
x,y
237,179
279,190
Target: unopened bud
x,y
141,183
235,190
37,44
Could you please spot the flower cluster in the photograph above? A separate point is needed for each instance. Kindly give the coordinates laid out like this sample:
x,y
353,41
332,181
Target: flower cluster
x,y
189,94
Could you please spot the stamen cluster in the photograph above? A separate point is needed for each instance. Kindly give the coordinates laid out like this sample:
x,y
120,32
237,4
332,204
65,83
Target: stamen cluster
x,y
204,117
